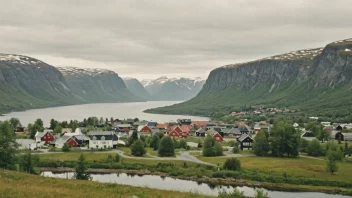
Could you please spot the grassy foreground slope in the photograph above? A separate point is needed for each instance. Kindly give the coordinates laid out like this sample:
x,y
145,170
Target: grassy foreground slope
x,y
14,184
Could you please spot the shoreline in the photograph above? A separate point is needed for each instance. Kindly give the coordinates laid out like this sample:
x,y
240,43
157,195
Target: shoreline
x,y
219,181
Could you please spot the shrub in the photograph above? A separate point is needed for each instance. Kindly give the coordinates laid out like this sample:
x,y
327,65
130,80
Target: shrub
x,y
117,158
232,164
137,148
236,148
211,147
66,148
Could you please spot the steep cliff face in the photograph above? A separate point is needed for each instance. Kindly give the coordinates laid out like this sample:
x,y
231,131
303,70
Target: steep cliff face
x,y
26,82
137,88
308,79
97,85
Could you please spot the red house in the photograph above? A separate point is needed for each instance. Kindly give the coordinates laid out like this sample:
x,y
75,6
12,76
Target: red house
x,y
179,131
215,135
145,129
72,141
45,136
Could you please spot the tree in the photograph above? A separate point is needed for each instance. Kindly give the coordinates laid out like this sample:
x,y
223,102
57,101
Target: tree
x,y
314,148
117,158
154,143
39,122
285,140
64,124
58,129
137,148
53,124
217,149
208,146
232,164
101,121
331,165
8,146
334,149
167,147
27,163
132,138
236,148
303,146
183,144
33,128
14,122
323,135
65,148
81,169
261,145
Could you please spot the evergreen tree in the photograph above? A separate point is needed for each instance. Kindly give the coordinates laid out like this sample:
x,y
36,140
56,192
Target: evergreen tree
x,y
132,138
217,149
53,124
81,169
154,143
167,147
28,162
8,146
261,145
137,148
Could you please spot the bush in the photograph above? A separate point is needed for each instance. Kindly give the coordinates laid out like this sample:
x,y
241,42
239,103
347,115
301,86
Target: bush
x,y
66,148
232,164
232,143
211,147
117,158
167,147
303,146
314,148
137,148
236,148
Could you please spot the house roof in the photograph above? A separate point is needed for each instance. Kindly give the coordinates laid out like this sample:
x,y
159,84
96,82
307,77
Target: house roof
x,y
62,139
140,127
123,125
200,130
161,126
234,131
243,137
200,123
218,129
41,134
212,131
91,133
226,130
240,123
185,128
81,137
243,128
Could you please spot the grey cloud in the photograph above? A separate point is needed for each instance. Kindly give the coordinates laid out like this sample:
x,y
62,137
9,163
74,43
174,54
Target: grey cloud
x,y
181,38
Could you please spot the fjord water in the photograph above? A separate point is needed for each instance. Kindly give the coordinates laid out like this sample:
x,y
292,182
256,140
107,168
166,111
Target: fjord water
x,y
168,183
106,110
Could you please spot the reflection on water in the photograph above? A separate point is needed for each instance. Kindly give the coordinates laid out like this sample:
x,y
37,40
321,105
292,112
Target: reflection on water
x,y
168,183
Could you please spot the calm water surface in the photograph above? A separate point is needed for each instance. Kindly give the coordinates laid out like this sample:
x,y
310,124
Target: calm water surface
x,y
167,183
106,110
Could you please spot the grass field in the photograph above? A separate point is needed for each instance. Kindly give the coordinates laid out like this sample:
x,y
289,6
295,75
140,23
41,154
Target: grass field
x,y
15,184
302,167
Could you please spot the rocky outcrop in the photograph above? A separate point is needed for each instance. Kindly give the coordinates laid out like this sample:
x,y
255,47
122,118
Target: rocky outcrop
x,y
308,79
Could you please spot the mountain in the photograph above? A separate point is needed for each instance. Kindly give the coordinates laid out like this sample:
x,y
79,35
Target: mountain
x,y
165,88
137,88
26,83
97,85
318,81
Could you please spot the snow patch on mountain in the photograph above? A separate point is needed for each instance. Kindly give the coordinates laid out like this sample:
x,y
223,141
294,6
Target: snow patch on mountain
x,y
19,59
76,71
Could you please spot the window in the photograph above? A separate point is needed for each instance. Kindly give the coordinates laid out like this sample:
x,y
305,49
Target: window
x,y
102,138
94,138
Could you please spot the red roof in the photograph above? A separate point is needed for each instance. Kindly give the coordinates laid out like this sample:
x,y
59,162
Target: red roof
x,y
241,123
185,128
161,126
200,123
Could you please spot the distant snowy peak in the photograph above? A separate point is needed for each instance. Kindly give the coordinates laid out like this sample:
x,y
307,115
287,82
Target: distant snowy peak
x,y
69,70
185,82
19,59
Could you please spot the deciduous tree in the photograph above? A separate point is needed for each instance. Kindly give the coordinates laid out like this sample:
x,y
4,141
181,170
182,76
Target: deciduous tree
x,y
261,145
137,148
167,147
8,146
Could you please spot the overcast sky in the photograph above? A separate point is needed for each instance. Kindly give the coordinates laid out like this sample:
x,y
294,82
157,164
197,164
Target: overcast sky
x,y
148,39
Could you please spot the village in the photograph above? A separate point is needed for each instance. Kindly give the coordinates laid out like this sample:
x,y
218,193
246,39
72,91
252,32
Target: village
x,y
114,133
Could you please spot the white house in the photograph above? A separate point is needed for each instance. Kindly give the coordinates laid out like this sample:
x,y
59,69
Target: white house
x,y
103,139
27,144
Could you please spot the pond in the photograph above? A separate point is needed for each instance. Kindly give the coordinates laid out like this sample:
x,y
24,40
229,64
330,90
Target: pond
x,y
168,183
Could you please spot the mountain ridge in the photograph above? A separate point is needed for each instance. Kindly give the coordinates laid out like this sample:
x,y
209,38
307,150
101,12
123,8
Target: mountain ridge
x,y
317,80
